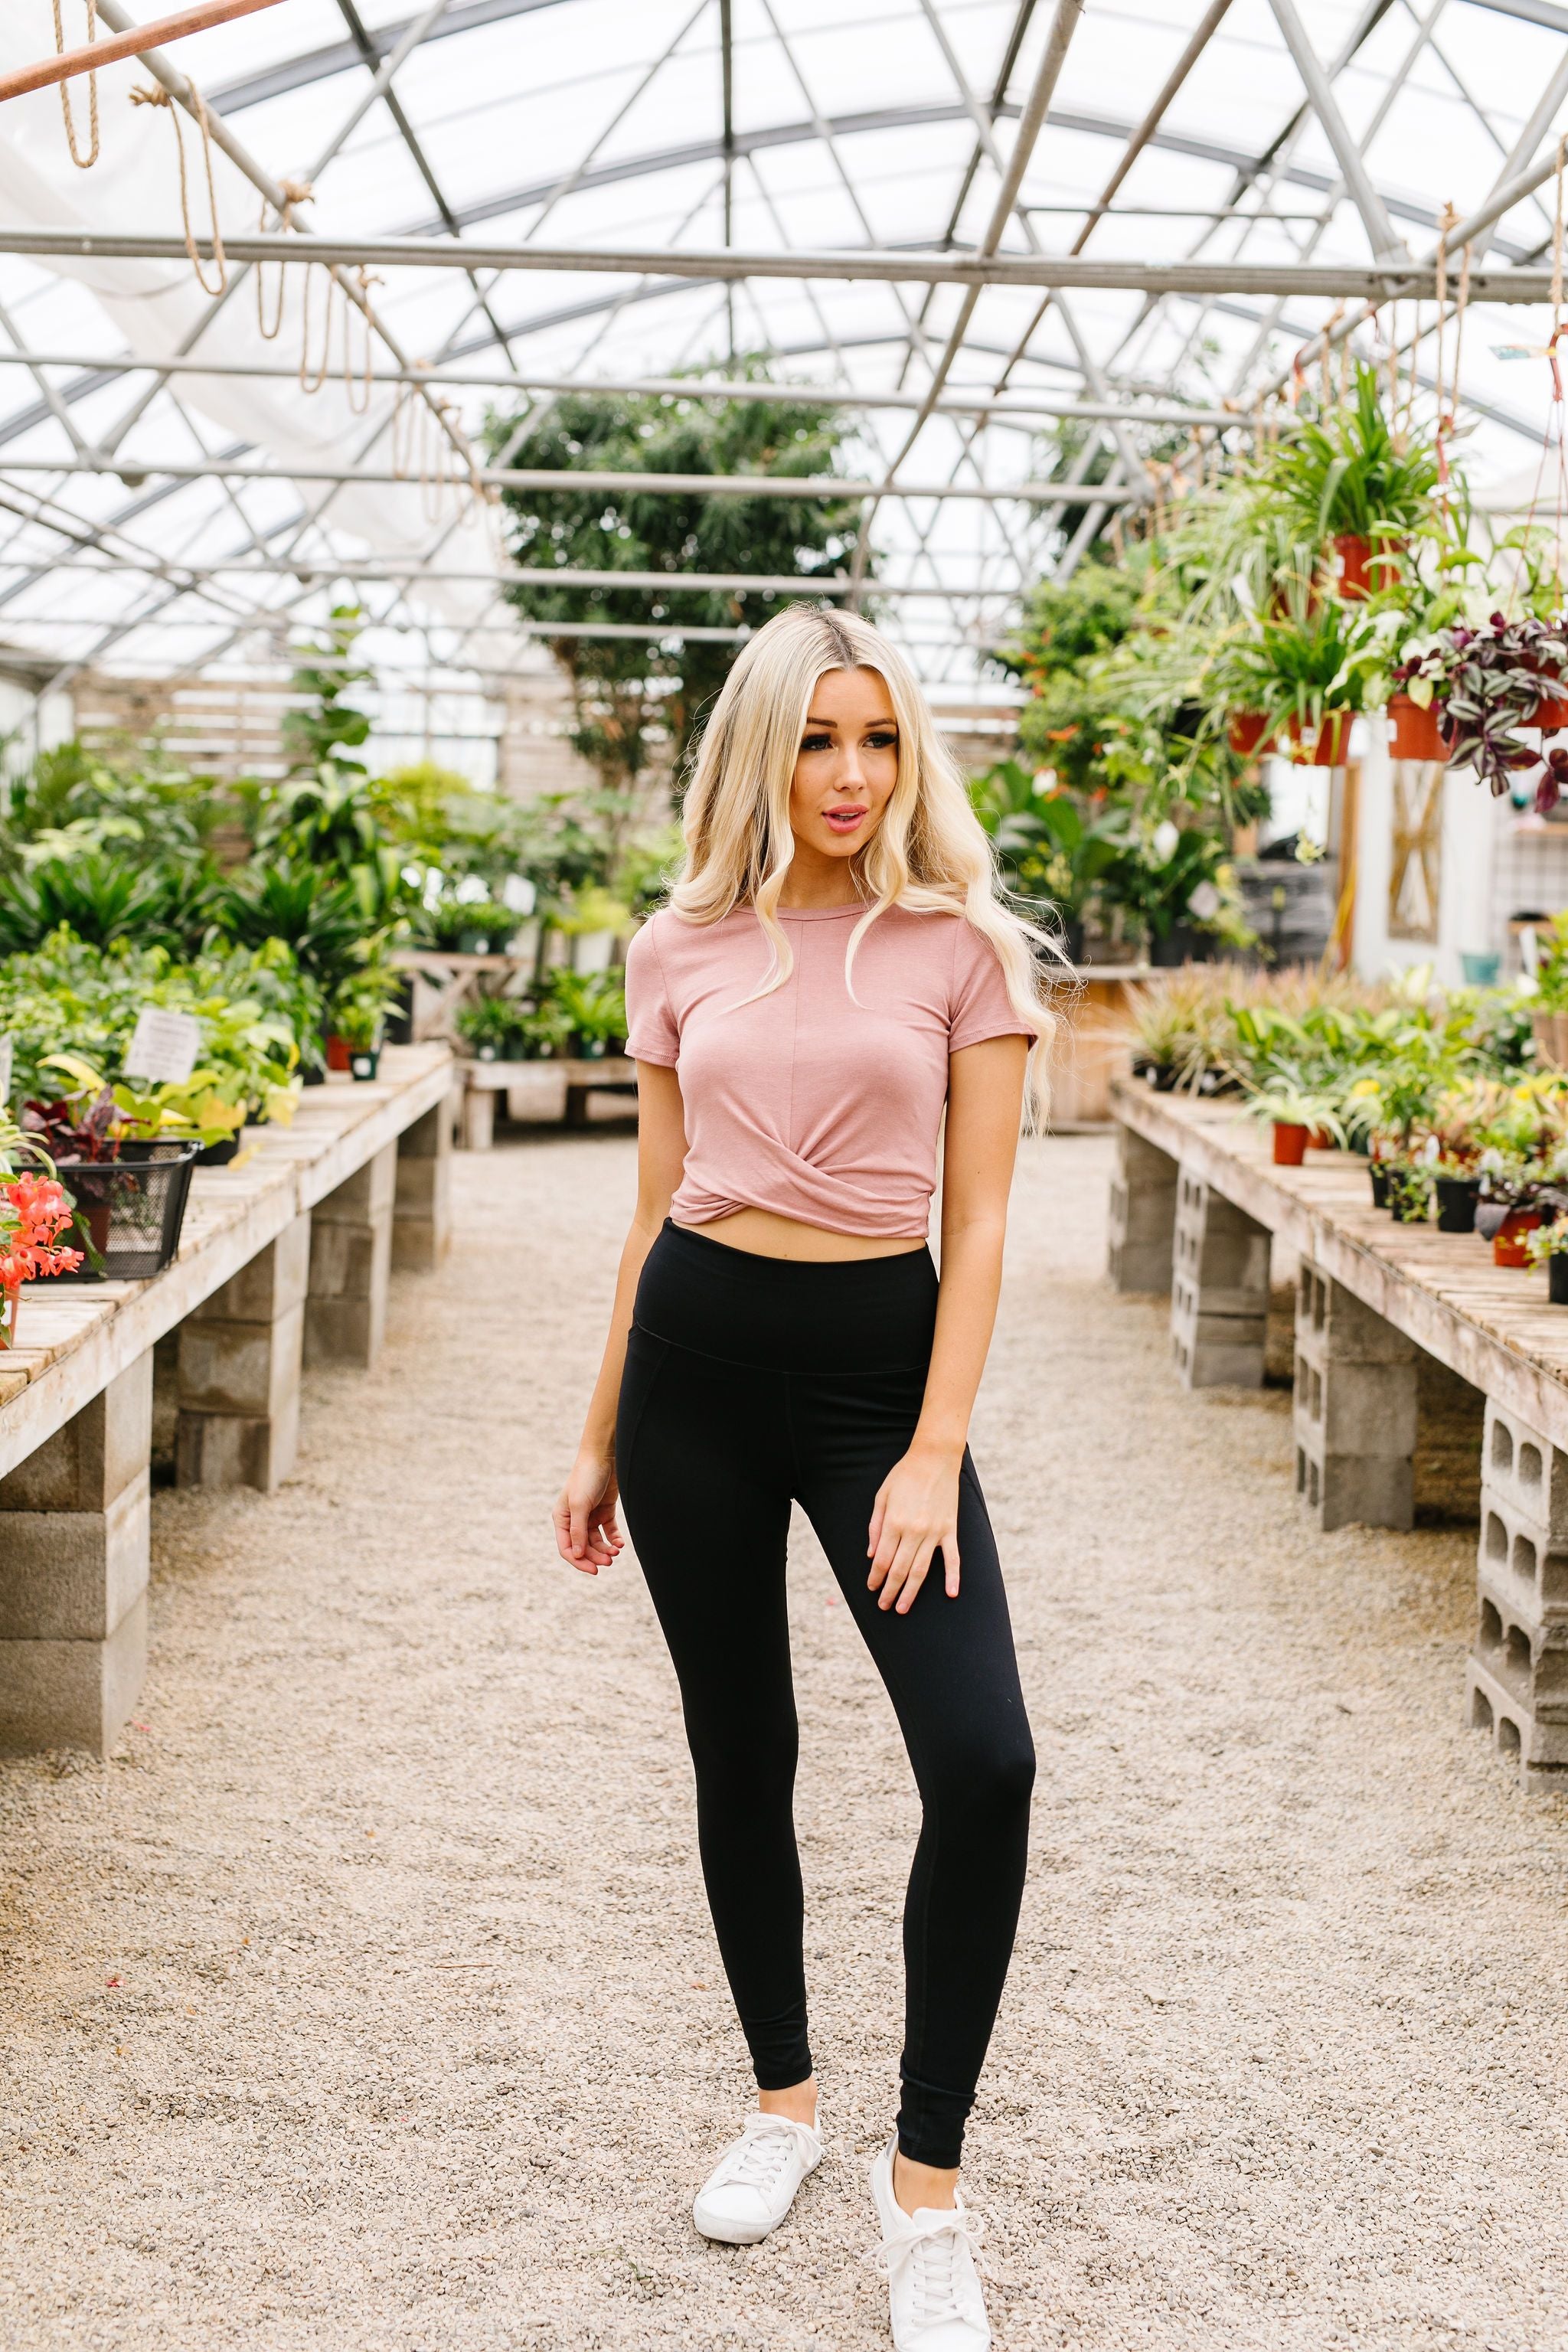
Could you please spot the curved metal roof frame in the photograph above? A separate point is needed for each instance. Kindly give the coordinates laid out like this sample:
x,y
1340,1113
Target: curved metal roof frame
x,y
203,587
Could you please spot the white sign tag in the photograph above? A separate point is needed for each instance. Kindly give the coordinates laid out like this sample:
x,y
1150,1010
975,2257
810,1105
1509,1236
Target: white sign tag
x,y
7,1055
163,1046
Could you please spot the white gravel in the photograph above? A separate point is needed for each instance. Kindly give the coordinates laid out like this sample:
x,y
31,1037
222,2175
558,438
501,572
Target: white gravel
x,y
366,2000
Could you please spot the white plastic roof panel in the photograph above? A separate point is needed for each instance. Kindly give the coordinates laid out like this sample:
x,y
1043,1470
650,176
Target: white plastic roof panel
x,y
598,125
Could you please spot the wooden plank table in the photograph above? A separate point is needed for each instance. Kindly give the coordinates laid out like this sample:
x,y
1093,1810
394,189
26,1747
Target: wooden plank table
x,y
284,1258
1378,1305
482,1081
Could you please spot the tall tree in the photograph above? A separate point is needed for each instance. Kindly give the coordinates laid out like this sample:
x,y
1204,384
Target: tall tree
x,y
637,702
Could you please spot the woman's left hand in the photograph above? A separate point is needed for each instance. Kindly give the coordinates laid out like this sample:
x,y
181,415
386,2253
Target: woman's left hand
x,y
915,1515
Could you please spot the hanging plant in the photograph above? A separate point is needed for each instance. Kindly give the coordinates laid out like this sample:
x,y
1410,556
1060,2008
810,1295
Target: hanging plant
x,y
1501,679
1351,480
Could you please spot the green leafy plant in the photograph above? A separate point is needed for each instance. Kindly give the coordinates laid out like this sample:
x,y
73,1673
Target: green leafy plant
x,y
1352,473
192,1109
1495,677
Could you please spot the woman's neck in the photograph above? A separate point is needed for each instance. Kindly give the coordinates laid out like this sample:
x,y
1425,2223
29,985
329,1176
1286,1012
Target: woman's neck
x,y
813,882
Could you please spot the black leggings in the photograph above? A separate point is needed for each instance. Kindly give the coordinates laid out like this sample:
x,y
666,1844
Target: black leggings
x,y
751,1381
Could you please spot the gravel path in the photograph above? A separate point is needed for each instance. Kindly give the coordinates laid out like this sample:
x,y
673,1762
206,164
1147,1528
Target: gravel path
x,y
366,2000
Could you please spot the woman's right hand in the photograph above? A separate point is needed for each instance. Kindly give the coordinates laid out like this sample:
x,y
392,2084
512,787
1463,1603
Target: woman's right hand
x,y
586,1535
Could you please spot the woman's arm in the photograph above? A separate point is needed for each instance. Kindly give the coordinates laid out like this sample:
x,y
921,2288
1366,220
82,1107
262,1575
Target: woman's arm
x,y
916,1511
585,1531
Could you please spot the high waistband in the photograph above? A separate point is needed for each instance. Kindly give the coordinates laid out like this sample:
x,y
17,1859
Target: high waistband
x,y
788,1315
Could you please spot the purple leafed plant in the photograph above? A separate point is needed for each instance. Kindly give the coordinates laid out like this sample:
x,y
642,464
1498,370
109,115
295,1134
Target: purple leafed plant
x,y
1494,679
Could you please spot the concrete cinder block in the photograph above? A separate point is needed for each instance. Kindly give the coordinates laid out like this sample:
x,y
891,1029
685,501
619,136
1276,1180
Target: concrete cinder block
x,y
226,1449
1219,1290
363,1197
1529,1662
275,1280
1527,1473
1538,1750
66,1694
101,1452
1331,1318
1143,1215
250,1368
71,1576
1515,1561
1343,1490
422,1219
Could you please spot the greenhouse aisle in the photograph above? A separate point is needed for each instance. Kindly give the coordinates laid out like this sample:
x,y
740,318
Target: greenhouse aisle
x,y
367,1998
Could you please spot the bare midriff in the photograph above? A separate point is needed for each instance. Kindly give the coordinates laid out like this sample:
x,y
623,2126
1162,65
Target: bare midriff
x,y
762,1233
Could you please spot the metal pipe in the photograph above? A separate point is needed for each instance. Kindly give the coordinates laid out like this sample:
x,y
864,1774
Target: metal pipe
x,y
312,572
1384,241
134,472
981,403
128,44
1375,281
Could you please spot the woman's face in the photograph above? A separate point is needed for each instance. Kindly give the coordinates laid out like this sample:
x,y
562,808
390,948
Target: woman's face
x,y
847,763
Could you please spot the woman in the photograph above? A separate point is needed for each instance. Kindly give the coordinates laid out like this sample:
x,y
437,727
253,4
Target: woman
x,y
832,970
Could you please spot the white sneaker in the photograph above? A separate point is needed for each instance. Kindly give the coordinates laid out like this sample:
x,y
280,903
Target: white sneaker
x,y
935,2301
753,2186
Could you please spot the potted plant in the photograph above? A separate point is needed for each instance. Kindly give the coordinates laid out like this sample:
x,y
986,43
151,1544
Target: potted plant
x,y
1548,1247
1500,679
1302,667
1352,479
1297,1111
359,1027
595,1004
488,1026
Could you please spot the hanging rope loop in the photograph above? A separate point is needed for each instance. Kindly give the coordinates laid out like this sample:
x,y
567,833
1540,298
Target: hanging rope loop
x,y
158,96
83,162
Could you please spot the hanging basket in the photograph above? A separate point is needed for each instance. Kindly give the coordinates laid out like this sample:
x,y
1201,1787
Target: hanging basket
x,y
129,1210
1417,733
1250,734
1361,566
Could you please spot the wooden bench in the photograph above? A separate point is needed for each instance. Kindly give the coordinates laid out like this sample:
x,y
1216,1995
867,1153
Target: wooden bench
x,y
284,1260
483,1081
1412,1350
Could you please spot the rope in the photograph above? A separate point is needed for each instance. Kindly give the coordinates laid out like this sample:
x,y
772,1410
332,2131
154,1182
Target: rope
x,y
83,162
1557,242
333,288
358,407
295,192
158,96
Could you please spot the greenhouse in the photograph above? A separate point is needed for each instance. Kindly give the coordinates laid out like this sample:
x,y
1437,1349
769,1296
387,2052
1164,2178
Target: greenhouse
x,y
784,1174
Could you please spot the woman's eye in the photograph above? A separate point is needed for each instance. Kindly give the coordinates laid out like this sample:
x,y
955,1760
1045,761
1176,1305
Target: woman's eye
x,y
884,741
817,743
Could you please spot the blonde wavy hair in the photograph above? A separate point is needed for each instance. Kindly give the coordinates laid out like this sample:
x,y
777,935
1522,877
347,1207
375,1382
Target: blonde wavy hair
x,y
930,853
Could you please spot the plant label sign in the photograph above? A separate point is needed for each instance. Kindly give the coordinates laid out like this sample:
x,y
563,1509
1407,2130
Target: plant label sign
x,y
163,1046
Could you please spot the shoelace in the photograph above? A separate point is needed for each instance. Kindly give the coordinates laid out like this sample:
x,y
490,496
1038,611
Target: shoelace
x,y
930,2255
765,2148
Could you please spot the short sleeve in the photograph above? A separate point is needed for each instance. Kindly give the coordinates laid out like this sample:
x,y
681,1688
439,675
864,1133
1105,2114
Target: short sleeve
x,y
979,1006
652,1035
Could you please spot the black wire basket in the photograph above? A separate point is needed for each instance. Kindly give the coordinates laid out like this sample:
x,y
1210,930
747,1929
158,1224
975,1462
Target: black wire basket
x,y
129,1210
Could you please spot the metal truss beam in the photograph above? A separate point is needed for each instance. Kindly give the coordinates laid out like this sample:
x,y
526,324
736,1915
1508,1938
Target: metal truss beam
x,y
840,487
957,403
1379,282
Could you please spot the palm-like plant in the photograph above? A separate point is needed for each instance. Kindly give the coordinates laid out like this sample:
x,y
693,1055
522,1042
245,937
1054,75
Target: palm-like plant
x,y
1351,474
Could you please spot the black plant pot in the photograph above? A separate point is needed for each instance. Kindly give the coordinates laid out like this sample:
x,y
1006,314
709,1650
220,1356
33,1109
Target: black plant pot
x,y
1182,943
129,1210
400,1017
365,1062
1379,1174
1557,1279
218,1155
1456,1199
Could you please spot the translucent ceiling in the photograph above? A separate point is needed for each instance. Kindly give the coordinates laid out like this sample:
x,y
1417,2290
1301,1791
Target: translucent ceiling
x,y
150,521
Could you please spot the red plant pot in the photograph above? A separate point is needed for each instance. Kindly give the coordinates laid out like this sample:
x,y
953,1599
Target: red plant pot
x,y
1289,1144
1550,714
1508,1242
338,1056
1416,732
1248,734
1361,567
1319,1140
1328,748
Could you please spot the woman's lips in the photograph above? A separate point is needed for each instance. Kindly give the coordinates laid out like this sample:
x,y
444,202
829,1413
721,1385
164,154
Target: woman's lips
x,y
844,819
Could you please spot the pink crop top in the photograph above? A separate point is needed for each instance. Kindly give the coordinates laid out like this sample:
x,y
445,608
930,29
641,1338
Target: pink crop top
x,y
808,1102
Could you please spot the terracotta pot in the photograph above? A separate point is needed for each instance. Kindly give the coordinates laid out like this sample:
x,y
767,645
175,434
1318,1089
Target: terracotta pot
x,y
337,1053
1360,567
1329,747
1550,714
1319,1140
1289,1144
1417,733
1508,1242
1248,734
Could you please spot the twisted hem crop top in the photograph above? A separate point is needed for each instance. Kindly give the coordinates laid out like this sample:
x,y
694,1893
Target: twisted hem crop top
x,y
810,1102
